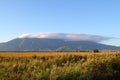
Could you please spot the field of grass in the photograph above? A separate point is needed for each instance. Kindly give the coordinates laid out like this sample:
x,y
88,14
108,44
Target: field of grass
x,y
59,66
54,54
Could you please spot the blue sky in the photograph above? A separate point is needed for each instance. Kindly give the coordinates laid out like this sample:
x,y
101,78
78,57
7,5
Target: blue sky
x,y
97,17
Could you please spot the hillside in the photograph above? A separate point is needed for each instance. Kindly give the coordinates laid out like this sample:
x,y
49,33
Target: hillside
x,y
44,44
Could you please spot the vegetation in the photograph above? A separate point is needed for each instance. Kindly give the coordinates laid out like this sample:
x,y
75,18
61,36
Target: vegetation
x,y
95,50
59,66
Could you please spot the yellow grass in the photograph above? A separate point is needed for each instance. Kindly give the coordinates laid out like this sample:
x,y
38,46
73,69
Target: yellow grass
x,y
30,54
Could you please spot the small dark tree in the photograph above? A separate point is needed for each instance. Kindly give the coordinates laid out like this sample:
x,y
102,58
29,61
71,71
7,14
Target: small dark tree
x,y
95,50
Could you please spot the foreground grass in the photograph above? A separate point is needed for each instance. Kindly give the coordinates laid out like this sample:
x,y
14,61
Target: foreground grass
x,y
59,66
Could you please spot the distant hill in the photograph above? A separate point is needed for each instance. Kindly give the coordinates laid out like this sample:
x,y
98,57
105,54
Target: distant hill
x,y
44,44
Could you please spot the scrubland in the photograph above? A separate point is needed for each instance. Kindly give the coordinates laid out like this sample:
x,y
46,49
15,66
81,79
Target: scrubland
x,y
59,66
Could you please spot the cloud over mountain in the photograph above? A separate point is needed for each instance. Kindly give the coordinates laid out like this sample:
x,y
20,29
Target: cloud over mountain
x,y
66,36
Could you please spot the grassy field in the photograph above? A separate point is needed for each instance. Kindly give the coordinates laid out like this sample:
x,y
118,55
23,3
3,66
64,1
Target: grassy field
x,y
59,66
48,54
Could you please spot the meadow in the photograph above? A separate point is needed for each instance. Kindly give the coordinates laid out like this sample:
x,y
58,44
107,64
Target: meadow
x,y
60,65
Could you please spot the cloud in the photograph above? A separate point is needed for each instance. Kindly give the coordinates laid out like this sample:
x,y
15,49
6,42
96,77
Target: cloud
x,y
67,36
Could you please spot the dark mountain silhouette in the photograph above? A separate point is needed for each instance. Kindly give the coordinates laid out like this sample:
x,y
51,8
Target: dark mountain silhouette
x,y
44,44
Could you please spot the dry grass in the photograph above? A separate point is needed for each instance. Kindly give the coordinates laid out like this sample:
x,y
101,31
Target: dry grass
x,y
48,54
61,66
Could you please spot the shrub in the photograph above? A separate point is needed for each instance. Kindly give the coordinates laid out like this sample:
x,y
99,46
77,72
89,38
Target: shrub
x,y
95,50
115,64
34,57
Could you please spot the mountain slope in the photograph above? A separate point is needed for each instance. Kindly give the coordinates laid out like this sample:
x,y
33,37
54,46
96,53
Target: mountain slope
x,y
44,44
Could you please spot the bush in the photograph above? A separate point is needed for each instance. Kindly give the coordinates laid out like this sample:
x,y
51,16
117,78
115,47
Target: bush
x,y
115,64
34,57
95,50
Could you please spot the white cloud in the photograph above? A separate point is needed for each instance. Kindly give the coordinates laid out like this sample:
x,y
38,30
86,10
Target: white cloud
x,y
67,36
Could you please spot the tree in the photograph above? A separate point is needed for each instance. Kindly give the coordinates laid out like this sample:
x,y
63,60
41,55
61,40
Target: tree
x,y
95,50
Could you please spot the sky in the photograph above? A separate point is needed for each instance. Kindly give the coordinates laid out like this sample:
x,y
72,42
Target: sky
x,y
94,17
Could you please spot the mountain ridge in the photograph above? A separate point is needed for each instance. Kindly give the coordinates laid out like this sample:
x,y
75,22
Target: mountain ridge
x,y
45,44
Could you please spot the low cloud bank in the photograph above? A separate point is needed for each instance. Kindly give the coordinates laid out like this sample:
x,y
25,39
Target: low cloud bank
x,y
67,36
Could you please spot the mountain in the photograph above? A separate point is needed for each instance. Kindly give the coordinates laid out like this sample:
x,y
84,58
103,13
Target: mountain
x,y
45,44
